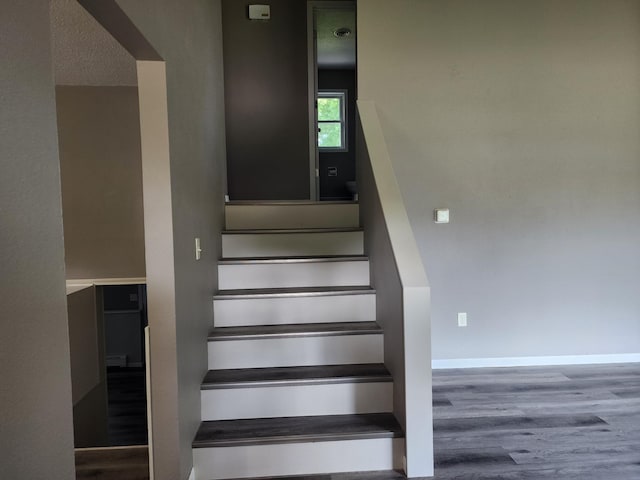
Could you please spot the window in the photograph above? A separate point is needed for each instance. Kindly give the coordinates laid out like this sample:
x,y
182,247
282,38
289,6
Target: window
x,y
332,120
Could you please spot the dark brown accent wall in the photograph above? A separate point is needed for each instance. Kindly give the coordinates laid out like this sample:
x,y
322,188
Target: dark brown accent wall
x,y
265,73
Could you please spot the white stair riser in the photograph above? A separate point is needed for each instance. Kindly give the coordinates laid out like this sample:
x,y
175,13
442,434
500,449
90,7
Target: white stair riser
x,y
298,458
305,274
296,351
249,217
297,400
292,244
304,309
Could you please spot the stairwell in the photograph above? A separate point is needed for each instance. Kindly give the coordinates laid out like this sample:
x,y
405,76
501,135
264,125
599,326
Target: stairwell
x,y
296,382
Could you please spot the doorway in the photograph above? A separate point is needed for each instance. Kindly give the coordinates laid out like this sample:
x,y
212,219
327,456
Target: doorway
x,y
331,27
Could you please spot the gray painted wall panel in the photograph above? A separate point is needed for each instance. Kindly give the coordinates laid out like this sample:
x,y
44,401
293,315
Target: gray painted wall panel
x,y
521,117
36,438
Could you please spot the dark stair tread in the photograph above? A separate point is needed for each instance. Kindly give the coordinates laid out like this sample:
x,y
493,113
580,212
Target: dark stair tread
x,y
291,202
368,475
260,431
260,231
292,292
293,330
322,374
293,259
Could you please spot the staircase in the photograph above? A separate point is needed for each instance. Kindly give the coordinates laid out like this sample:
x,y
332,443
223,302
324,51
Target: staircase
x,y
296,382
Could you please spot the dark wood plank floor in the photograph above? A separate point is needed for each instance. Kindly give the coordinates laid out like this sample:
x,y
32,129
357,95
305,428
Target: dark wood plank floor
x,y
537,423
119,463
127,406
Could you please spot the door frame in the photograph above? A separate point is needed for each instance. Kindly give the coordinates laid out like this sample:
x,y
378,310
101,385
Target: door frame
x,y
312,82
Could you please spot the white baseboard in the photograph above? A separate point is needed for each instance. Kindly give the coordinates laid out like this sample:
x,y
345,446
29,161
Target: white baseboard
x,y
535,361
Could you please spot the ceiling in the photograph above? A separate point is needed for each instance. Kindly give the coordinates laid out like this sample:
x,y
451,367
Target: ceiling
x,y
334,52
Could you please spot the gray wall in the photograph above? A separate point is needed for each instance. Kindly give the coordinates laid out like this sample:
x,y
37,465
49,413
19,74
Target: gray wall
x,y
188,36
101,169
36,436
265,70
521,117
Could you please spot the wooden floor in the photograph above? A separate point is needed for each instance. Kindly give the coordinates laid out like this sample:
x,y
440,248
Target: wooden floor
x,y
560,423
127,406
539,423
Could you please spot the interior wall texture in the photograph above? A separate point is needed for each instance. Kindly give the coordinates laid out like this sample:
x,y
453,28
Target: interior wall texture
x,y
36,426
101,169
265,71
188,36
521,117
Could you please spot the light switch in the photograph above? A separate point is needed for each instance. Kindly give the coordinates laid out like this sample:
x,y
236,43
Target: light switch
x,y
462,319
198,249
441,215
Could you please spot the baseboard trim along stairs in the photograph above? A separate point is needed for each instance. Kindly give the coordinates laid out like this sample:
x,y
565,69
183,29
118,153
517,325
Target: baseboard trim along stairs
x,y
297,383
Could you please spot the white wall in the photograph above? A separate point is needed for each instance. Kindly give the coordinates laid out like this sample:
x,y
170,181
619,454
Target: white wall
x,y
522,117
36,430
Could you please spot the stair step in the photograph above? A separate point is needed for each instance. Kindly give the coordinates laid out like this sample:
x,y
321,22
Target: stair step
x,y
233,294
296,446
270,306
313,375
294,391
262,431
266,346
281,272
302,330
289,260
290,214
292,242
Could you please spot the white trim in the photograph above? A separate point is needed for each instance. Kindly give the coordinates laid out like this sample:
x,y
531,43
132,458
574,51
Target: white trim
x,y
192,475
535,361
88,282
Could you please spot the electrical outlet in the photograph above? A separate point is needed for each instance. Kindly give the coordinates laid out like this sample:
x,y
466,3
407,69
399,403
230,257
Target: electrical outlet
x,y
462,319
